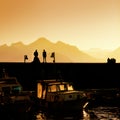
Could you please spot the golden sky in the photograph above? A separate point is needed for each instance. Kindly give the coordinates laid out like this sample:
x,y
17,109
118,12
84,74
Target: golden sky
x,y
84,23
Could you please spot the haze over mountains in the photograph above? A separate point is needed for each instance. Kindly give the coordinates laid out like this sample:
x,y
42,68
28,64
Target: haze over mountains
x,y
63,52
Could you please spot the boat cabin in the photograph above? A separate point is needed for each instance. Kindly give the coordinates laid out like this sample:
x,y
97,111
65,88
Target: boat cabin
x,y
9,85
52,86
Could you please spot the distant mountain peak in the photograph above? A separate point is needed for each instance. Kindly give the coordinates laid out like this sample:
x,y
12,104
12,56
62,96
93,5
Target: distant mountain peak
x,y
41,43
17,44
4,45
41,40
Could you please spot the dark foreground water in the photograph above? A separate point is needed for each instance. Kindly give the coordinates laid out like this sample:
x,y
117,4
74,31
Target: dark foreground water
x,y
96,113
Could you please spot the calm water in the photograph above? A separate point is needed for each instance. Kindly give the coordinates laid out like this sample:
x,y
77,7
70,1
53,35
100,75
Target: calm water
x,y
96,113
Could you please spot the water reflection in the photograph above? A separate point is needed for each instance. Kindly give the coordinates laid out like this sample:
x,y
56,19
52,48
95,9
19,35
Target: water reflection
x,y
73,116
40,116
107,113
86,116
98,113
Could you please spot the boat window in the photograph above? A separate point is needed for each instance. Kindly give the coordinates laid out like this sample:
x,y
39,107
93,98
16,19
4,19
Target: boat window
x,y
70,87
16,89
39,90
52,88
62,87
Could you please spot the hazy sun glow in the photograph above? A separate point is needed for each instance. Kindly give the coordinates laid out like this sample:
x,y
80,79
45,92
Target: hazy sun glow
x,y
84,23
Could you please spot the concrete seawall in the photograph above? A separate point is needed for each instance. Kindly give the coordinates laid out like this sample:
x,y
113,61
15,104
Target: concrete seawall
x,y
84,75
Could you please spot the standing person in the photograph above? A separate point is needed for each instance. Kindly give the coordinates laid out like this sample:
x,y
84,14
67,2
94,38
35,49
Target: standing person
x,y
44,56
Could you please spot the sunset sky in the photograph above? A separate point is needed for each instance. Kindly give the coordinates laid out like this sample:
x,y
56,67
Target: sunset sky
x,y
84,23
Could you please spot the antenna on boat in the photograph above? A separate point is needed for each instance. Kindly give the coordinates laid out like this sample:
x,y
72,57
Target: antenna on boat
x,y
59,76
5,75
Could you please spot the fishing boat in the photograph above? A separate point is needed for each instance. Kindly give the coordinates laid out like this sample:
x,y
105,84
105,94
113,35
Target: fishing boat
x,y
12,96
59,95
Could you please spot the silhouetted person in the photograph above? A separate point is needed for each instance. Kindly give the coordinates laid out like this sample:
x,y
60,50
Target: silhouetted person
x,y
36,59
112,60
108,60
44,54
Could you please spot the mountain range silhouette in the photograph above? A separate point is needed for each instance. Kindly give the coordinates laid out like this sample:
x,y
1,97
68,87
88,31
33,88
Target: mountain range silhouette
x,y
63,52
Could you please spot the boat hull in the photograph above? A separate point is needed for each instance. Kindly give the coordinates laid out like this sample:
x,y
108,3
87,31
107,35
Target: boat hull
x,y
64,106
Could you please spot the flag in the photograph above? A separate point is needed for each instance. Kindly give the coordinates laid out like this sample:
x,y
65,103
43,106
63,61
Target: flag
x,y
25,57
53,54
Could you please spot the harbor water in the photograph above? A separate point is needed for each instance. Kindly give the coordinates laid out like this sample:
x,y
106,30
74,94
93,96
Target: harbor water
x,y
98,113
95,113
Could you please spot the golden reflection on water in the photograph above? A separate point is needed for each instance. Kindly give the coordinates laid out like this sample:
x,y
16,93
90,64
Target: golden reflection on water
x,y
99,113
86,116
41,116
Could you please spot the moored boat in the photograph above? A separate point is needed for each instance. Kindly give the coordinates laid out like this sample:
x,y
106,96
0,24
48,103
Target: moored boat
x,y
12,97
57,95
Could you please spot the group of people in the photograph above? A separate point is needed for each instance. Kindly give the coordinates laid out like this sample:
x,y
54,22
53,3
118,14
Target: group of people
x,y
44,55
36,59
